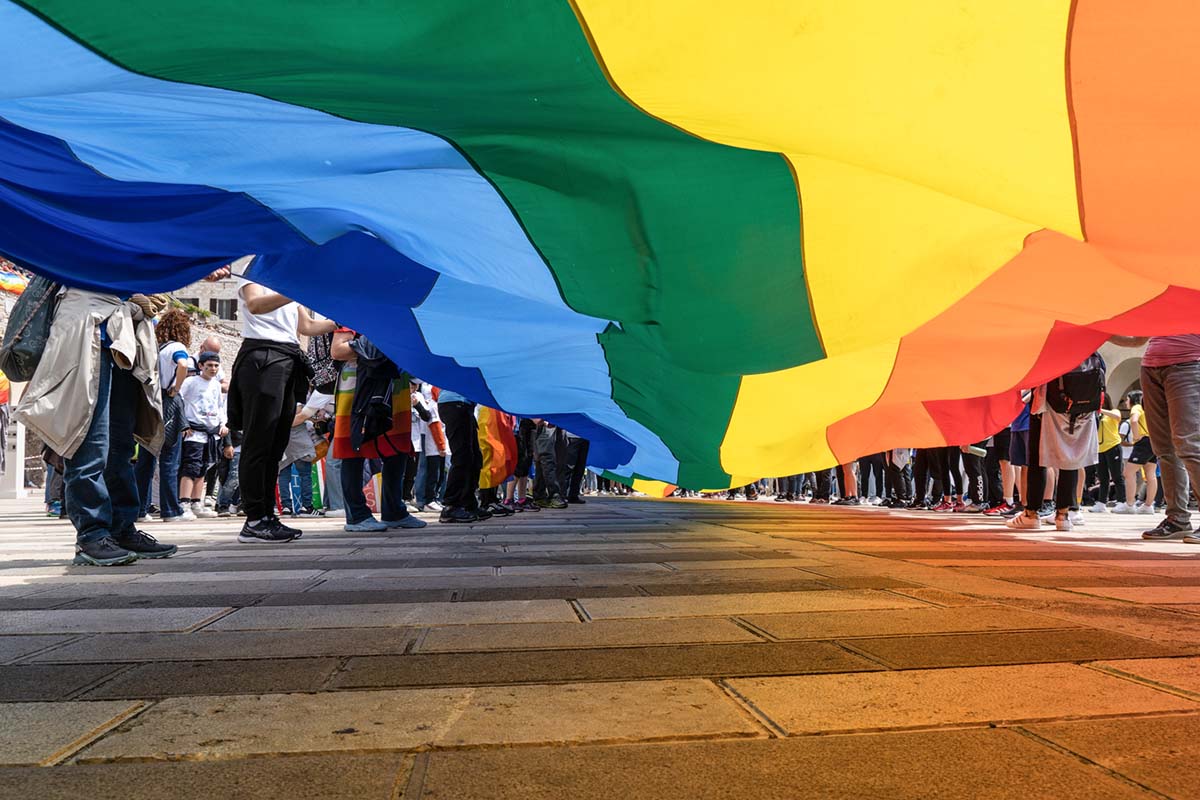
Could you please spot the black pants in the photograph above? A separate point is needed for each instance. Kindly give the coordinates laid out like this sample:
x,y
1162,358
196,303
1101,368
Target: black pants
x,y
897,485
266,383
824,485
1110,471
466,460
526,432
550,452
868,466
947,470
976,491
1064,495
410,476
575,466
993,479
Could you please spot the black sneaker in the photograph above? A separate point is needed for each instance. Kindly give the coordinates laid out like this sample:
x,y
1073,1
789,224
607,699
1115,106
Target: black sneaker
x,y
554,502
457,514
576,501
1167,530
846,501
267,530
145,545
481,514
103,553
296,533
500,510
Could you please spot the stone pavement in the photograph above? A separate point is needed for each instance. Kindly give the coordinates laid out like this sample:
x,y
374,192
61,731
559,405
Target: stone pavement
x,y
623,649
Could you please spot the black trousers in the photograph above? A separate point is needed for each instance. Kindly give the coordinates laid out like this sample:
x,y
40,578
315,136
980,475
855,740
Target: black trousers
x,y
947,470
549,452
976,490
923,467
575,466
526,431
868,466
993,480
1064,495
898,482
266,382
1110,471
824,485
466,460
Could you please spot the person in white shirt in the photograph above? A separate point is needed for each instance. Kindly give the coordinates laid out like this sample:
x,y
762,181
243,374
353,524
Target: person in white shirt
x,y
204,425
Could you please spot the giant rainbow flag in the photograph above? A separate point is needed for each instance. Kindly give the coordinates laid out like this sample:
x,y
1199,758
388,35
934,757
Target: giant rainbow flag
x,y
721,240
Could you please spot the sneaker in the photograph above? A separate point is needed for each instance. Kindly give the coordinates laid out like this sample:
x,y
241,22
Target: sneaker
x,y
553,502
405,522
1191,539
224,512
1123,508
141,517
210,501
267,530
1098,508
1167,530
187,515
295,533
945,505
1013,510
434,505
959,505
152,509
973,508
103,553
1025,521
575,501
819,501
1076,518
200,511
311,512
780,498
1062,522
145,545
998,510
847,501
525,504
500,510
1047,515
483,513
368,525
1047,508
456,514
1145,508
180,518
334,512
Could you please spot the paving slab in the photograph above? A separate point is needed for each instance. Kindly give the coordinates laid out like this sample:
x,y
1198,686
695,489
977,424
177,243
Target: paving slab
x,y
746,563
232,575
328,777
1024,647
612,663
159,590
976,764
920,698
563,592
16,647
84,620
1159,752
394,615
897,622
746,603
798,584
184,678
600,633
1153,595
31,682
42,733
219,645
223,727
940,597
1179,673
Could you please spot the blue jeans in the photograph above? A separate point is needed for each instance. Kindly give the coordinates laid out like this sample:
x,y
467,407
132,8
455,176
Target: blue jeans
x,y
391,504
168,459
304,470
101,493
229,489
333,500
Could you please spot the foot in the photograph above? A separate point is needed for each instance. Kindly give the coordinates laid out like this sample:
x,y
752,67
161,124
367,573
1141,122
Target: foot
x,y
499,510
1098,508
945,505
1026,520
1191,538
368,525
481,513
145,545
1076,518
525,504
998,510
200,511
311,512
847,501
434,505
971,508
1123,508
295,532
452,515
1062,521
1145,508
103,553
408,521
1167,530
267,530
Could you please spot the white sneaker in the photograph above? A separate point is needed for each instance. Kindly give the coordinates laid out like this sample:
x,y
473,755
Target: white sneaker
x,y
1123,508
434,505
1062,523
335,512
1098,508
144,518
186,517
1076,518
1024,521
200,511
210,501
1145,508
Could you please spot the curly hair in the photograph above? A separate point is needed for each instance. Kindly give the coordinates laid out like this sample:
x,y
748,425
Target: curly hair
x,y
174,327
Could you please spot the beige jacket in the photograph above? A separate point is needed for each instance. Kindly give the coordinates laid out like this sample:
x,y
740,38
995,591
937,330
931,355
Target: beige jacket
x,y
60,399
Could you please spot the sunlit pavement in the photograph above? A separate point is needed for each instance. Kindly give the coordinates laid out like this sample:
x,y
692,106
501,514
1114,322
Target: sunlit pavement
x,y
619,649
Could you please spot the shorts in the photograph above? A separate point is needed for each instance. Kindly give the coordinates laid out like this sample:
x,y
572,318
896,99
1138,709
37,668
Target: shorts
x,y
191,460
1018,449
1143,452
1002,444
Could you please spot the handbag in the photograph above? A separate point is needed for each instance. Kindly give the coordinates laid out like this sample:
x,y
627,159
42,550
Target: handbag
x,y
29,329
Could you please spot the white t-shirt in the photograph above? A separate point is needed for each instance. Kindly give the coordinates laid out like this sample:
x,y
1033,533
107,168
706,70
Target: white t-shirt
x,y
202,404
274,326
168,354
319,404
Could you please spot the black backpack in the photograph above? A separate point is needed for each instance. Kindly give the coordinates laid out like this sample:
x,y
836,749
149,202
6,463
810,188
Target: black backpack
x,y
29,329
1079,392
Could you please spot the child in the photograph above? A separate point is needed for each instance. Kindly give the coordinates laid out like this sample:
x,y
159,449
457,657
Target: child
x,y
204,419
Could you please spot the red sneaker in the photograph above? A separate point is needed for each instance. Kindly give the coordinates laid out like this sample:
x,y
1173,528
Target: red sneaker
x,y
998,509
945,505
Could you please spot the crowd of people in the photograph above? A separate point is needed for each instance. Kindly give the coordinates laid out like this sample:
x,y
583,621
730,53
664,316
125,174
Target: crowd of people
x,y
140,425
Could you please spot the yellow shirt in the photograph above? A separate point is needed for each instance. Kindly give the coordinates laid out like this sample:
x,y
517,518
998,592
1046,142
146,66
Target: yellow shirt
x,y
1109,433
1141,415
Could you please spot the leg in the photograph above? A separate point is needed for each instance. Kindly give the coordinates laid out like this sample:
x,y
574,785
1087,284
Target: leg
x,y
144,475
333,483
1181,391
119,475
88,503
230,486
264,379
391,505
284,481
168,458
304,469
462,480
352,490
